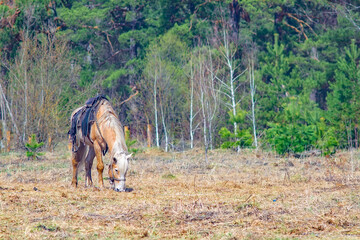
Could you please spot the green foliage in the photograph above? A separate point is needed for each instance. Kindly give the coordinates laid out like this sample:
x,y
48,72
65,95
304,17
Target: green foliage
x,y
301,128
114,77
343,100
242,138
86,76
115,45
294,138
129,142
296,131
33,148
169,176
281,79
326,138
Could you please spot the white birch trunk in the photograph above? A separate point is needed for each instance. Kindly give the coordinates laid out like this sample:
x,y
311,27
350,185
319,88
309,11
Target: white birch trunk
x,y
9,110
204,124
229,63
156,114
3,118
252,92
233,101
22,63
210,135
191,107
25,108
164,127
212,109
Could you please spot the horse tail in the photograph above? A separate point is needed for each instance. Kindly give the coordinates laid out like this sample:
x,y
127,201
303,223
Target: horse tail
x,y
73,126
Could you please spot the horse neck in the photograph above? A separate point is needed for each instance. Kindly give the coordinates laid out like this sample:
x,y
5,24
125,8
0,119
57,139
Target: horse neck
x,y
117,146
112,129
119,143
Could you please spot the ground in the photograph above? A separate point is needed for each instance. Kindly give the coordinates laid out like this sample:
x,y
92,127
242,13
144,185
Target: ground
x,y
246,195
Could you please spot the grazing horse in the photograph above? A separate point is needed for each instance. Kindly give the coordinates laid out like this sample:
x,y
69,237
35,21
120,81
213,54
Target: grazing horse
x,y
103,131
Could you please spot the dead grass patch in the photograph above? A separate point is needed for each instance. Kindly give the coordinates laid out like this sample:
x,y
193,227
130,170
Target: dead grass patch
x,y
176,195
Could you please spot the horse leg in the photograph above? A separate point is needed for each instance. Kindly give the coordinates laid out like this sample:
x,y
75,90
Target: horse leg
x,y
76,159
75,165
88,165
100,164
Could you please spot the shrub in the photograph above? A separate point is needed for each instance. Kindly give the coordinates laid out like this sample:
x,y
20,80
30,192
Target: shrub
x,y
33,148
242,138
301,128
130,142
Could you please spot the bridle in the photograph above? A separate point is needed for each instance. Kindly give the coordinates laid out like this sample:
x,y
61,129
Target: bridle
x,y
112,178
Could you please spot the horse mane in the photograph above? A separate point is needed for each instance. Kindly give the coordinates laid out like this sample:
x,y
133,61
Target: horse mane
x,y
109,119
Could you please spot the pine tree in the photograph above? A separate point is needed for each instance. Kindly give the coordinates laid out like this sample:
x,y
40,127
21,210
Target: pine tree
x,y
343,100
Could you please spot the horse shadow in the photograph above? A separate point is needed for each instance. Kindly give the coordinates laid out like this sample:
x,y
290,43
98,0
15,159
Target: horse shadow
x,y
129,189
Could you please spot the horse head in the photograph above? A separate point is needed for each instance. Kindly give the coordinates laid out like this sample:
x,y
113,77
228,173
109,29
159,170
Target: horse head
x,y
117,171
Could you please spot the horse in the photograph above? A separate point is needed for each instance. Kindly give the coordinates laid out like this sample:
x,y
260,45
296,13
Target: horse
x,y
104,132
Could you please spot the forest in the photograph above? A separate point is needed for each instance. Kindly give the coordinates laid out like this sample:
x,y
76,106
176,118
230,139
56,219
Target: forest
x,y
280,75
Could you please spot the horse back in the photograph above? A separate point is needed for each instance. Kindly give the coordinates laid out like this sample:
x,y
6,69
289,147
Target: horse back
x,y
82,119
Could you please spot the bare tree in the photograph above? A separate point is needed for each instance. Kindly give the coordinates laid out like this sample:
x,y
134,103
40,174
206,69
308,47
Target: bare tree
x,y
230,80
155,112
348,10
152,71
164,63
213,95
33,105
4,104
207,93
252,93
192,116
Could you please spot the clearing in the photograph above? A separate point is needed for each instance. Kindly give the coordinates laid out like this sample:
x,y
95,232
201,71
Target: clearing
x,y
176,195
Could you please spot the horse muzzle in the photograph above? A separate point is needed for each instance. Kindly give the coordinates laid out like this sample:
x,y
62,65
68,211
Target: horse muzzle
x,y
119,185
119,190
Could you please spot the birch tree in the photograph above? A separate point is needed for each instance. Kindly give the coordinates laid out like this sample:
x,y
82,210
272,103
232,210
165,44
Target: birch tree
x,y
229,80
32,105
252,94
152,70
193,112
164,67
207,93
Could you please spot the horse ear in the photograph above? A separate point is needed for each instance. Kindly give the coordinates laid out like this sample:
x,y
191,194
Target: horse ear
x,y
114,159
129,156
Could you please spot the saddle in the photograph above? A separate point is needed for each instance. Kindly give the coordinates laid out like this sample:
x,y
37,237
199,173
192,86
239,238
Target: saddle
x,y
83,119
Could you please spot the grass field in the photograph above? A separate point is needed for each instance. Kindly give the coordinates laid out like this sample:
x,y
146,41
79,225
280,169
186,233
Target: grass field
x,y
176,195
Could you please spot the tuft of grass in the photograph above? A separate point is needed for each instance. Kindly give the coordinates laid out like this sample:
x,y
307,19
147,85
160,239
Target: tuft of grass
x,y
210,166
245,206
298,178
168,176
50,228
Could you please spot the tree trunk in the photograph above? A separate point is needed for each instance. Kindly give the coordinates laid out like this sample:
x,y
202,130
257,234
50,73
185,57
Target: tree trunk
x,y
252,91
8,140
3,121
204,125
233,102
191,109
149,137
165,129
2,95
156,117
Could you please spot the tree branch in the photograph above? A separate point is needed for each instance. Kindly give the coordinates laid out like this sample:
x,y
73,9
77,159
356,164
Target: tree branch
x,y
131,96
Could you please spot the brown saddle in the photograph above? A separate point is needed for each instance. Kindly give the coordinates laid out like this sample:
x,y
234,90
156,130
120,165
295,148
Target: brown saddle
x,y
83,119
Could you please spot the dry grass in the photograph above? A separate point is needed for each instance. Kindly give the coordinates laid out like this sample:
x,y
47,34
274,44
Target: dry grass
x,y
175,195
